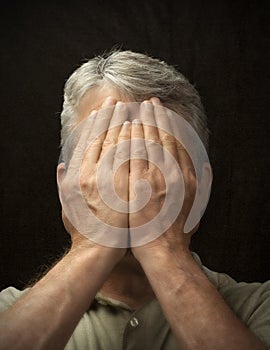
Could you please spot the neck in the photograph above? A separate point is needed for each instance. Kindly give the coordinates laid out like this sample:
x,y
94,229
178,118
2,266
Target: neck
x,y
128,283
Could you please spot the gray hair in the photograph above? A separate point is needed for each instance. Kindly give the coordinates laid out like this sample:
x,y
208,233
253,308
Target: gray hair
x,y
139,76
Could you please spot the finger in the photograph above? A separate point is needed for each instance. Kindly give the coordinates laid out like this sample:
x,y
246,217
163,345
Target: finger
x,y
76,144
171,144
189,176
99,130
120,115
164,129
122,152
138,153
121,163
168,139
149,122
190,192
151,135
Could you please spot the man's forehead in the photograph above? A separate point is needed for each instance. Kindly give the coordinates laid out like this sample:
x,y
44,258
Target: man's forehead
x,y
94,98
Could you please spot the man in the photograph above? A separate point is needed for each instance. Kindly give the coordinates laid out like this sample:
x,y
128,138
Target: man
x,y
155,295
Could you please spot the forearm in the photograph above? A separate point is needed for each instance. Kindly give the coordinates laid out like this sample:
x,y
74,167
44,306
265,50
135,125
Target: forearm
x,y
196,312
46,316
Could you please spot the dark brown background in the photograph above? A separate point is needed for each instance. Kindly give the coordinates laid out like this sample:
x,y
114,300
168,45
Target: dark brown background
x,y
221,46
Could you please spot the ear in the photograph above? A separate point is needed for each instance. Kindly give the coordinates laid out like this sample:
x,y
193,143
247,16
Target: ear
x,y
60,173
206,180
201,199
205,186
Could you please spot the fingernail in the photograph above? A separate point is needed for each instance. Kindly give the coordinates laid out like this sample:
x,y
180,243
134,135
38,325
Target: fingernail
x,y
155,100
136,121
147,104
119,104
127,122
108,100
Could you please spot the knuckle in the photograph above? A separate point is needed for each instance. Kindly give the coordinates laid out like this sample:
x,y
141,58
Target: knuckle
x,y
123,137
109,141
155,140
98,140
167,138
121,155
180,147
139,152
95,144
83,183
87,182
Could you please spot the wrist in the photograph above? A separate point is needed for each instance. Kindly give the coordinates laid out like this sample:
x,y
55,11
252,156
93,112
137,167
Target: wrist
x,y
177,272
94,257
165,253
166,264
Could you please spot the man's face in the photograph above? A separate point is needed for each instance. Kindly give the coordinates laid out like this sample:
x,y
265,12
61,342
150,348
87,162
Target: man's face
x,y
160,132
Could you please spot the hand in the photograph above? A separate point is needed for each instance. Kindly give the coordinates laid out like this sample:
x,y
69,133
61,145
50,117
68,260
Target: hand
x,y
111,122
98,181
174,236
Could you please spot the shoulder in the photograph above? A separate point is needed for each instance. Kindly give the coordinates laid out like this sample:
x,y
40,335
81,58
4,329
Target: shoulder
x,y
249,301
244,297
9,296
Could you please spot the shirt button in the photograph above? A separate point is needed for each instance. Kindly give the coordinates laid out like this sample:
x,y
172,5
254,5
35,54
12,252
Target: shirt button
x,y
134,322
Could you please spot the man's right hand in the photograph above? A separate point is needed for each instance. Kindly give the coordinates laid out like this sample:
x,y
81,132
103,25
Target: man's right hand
x,y
46,316
117,130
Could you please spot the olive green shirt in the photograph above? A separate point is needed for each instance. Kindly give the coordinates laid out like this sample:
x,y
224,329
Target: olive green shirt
x,y
113,325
